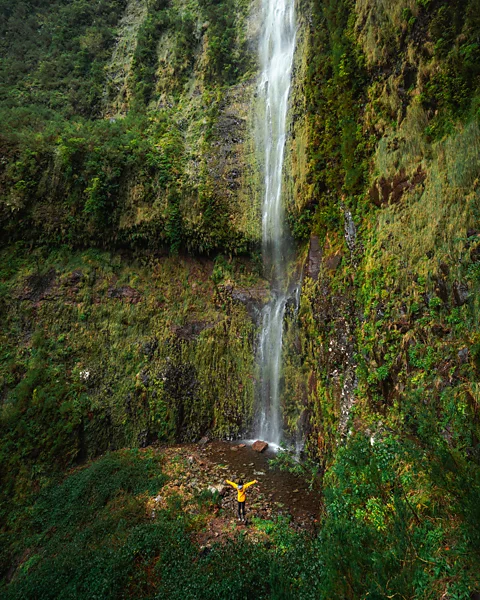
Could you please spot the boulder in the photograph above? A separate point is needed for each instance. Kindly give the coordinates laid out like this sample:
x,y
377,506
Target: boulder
x,y
332,262
460,293
218,488
463,355
259,446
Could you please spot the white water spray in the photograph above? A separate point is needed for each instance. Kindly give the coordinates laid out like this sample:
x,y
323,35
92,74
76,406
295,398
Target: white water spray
x,y
277,47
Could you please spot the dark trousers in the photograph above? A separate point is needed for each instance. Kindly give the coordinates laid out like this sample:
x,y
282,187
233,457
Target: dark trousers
x,y
241,510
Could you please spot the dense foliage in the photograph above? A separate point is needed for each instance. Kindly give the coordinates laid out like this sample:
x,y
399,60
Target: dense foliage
x,y
91,535
96,355
54,53
98,145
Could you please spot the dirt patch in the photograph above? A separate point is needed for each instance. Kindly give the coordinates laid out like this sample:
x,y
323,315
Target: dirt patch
x,y
196,470
277,492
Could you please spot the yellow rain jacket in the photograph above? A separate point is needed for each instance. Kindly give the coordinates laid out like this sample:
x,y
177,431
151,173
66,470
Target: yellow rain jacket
x,y
241,489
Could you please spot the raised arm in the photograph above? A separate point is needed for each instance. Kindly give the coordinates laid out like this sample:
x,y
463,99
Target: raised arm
x,y
249,484
234,485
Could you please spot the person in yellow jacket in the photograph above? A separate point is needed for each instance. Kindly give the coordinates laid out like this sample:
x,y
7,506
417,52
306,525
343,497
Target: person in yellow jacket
x,y
241,487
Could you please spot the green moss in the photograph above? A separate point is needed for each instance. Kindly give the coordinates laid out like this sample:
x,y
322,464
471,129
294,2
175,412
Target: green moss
x,y
120,355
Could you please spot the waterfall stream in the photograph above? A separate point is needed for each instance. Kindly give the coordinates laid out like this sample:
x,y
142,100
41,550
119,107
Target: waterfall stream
x,y
276,50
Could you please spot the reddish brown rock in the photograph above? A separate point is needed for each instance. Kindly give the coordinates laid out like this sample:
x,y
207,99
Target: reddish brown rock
x,y
332,262
259,446
124,293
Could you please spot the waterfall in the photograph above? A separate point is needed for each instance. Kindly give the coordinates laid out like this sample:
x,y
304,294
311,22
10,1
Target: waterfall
x,y
276,50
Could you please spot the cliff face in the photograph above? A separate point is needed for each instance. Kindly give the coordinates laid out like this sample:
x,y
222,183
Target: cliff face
x,y
387,190
126,140
126,125
130,234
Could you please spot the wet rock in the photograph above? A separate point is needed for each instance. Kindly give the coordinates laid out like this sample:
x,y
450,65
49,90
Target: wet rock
x,y
219,488
463,355
460,293
347,397
234,448
142,378
143,438
240,446
441,290
190,331
37,286
445,269
350,231
75,277
259,446
149,348
314,258
291,306
253,298
85,375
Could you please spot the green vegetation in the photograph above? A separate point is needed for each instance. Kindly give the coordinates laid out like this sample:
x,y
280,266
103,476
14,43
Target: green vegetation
x,y
54,53
227,56
92,534
141,178
449,88
381,365
128,190
99,353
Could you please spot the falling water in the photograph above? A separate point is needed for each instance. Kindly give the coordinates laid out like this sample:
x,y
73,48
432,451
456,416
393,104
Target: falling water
x,y
277,46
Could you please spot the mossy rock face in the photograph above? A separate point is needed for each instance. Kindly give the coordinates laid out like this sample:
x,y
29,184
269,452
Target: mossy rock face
x,y
153,162
129,128
100,352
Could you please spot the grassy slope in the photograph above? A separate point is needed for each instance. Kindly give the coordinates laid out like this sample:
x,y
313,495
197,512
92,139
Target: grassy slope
x,y
122,527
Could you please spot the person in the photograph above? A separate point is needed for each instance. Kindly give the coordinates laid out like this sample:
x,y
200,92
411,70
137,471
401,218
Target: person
x,y
241,487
